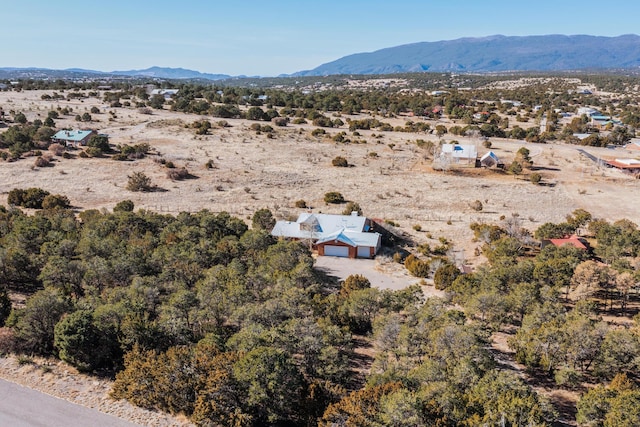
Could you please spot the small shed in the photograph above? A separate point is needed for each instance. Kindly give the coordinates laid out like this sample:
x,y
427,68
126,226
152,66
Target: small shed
x,y
489,160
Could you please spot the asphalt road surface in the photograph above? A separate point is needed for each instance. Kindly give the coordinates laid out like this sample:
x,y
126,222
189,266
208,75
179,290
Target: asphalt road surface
x,y
24,407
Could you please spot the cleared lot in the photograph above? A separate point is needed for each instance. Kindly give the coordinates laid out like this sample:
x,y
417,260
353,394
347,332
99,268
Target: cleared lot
x,y
382,275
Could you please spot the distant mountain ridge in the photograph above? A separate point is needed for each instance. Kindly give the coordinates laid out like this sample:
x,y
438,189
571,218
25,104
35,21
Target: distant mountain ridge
x,y
493,54
171,73
152,72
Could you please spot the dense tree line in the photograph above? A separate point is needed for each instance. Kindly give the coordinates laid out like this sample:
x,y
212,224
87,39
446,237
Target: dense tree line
x,y
198,314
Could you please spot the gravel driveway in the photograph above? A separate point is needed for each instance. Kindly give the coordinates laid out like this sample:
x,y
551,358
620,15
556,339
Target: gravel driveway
x,y
381,275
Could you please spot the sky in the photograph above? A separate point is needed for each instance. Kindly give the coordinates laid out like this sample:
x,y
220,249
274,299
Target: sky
x,y
269,38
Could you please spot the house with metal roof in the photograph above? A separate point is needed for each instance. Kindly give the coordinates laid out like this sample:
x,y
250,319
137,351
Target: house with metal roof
x,y
167,93
73,138
349,236
459,152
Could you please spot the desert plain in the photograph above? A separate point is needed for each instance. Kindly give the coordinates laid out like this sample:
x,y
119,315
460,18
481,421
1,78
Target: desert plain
x,y
390,176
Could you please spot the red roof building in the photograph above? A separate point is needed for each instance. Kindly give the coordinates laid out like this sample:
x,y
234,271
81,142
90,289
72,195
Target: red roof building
x,y
572,240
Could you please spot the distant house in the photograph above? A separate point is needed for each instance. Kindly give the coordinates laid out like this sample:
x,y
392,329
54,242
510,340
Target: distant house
x,y
631,165
73,138
349,236
513,103
459,152
167,93
587,111
572,240
634,146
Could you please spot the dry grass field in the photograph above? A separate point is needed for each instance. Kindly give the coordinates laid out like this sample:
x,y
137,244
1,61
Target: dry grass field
x,y
252,171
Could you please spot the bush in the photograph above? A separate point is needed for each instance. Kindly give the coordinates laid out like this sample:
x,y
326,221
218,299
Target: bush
x,y
535,178
417,267
93,152
301,204
124,206
333,197
280,121
42,162
445,275
99,141
178,174
318,132
29,198
53,201
57,149
340,161
138,181
476,205
263,220
352,207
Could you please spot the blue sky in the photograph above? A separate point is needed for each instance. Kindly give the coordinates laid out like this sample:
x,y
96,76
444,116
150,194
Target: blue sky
x,y
268,38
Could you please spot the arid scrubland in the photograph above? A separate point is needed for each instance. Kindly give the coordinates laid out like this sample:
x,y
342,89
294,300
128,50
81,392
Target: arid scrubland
x,y
390,176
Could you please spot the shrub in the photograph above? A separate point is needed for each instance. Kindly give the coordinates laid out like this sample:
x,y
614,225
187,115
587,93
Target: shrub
x,y
445,275
476,205
487,144
57,149
263,220
515,168
53,201
535,178
29,198
178,174
95,110
280,121
340,161
417,267
124,206
318,132
352,207
138,181
99,141
301,204
42,162
93,152
333,197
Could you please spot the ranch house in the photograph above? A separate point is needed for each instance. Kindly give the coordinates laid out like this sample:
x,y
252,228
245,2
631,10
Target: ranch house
x,y
349,236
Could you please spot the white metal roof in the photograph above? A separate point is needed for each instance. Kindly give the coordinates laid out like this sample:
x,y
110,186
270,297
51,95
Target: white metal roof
x,y
349,229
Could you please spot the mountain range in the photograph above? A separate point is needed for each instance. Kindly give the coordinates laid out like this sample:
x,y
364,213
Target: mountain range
x,y
484,54
493,54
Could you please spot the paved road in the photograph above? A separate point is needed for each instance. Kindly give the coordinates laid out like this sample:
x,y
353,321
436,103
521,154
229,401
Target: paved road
x,y
24,407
